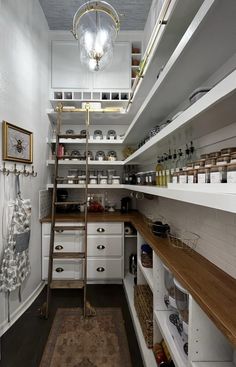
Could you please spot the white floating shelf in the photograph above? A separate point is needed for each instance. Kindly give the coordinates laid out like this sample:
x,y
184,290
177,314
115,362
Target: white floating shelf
x,y
177,80
171,337
217,107
71,162
78,186
90,141
210,199
147,273
147,354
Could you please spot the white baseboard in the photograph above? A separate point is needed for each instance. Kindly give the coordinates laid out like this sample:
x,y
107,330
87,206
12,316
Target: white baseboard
x,y
21,309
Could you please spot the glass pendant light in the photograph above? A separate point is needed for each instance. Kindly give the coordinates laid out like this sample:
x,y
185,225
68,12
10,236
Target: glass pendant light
x,y
95,26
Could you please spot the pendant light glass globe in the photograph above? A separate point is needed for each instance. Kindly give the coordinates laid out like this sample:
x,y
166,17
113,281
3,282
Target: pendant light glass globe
x,y
95,26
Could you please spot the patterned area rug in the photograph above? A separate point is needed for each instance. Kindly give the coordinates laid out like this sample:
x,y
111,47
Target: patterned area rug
x,y
98,341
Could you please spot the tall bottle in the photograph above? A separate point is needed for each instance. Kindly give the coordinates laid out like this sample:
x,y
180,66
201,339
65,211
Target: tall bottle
x,y
168,168
173,165
159,168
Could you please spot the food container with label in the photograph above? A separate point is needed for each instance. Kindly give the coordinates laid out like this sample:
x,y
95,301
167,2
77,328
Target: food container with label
x,y
199,164
152,178
111,155
228,151
203,175
192,176
115,180
225,158
82,180
183,177
98,135
182,303
231,173
233,158
210,162
170,287
103,180
175,177
218,174
93,180
100,156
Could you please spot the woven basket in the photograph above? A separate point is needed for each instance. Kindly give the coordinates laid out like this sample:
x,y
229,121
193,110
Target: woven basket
x,y
146,260
143,303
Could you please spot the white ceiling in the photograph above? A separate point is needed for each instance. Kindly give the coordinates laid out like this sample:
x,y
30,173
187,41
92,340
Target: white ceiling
x,y
59,13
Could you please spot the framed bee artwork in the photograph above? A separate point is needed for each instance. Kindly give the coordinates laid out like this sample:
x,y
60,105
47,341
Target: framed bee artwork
x,y
17,143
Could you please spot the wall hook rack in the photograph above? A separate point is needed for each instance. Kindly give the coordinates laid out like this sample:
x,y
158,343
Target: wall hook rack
x,y
6,171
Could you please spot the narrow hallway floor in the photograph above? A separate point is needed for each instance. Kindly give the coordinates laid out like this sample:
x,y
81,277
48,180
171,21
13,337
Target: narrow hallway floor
x,y
24,343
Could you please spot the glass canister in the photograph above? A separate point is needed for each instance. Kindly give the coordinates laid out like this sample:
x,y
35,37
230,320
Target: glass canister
x,y
231,173
192,176
115,180
110,174
210,162
72,174
175,177
170,286
183,177
111,155
151,178
82,180
103,180
203,175
223,159
218,174
100,156
93,180
138,178
199,164
181,299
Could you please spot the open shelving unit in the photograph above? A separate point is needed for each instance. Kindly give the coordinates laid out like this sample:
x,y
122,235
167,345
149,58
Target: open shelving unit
x,y
77,162
147,273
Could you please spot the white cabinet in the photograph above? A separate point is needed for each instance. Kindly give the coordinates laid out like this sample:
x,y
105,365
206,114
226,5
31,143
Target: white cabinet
x,y
68,72
105,252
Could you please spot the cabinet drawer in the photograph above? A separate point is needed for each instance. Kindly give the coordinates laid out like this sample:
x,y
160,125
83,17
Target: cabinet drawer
x,y
105,228
63,269
105,269
63,243
46,227
102,246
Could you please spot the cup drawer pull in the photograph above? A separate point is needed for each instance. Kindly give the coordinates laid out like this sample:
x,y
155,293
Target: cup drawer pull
x,y
100,269
100,247
100,230
59,247
59,270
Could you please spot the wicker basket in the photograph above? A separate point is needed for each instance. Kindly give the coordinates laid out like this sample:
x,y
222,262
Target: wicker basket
x,y
143,302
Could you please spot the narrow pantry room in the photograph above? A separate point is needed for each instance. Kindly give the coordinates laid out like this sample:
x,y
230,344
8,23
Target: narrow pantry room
x,y
118,183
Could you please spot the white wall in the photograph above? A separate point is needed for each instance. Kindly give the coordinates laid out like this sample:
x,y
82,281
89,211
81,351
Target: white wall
x,y
24,65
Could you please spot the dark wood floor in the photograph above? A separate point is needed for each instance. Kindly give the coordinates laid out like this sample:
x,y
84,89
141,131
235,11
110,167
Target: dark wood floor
x,y
23,344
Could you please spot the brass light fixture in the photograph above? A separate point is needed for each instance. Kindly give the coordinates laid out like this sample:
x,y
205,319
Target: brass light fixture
x,y
96,25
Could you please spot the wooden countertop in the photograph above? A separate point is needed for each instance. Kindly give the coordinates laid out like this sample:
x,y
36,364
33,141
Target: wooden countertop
x,y
211,287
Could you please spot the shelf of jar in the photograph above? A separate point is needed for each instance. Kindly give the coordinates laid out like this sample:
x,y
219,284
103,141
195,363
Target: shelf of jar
x,y
171,337
81,186
217,107
77,162
90,141
147,273
147,354
201,38
210,199
213,364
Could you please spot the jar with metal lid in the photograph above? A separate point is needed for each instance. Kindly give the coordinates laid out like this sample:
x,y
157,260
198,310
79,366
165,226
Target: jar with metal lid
x,y
233,158
103,180
192,176
218,174
183,177
190,166
82,180
151,178
203,175
100,156
111,155
225,158
228,151
210,162
90,155
214,154
98,134
72,174
93,180
204,156
138,178
231,173
199,164
115,180
146,178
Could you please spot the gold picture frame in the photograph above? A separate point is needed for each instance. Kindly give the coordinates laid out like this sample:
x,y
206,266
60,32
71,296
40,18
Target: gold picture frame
x,y
17,143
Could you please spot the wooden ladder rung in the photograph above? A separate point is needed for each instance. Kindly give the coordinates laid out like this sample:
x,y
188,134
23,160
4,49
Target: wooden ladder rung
x,y
68,228
68,255
67,284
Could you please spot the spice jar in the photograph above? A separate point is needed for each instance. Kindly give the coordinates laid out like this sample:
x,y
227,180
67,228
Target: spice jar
x,y
214,154
218,174
192,176
151,178
93,180
223,159
203,175
233,158
210,162
115,180
228,150
175,177
82,180
198,164
103,180
183,177
231,173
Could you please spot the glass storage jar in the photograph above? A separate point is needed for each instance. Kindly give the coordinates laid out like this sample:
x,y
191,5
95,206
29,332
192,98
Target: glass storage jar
x,y
199,164
182,304
170,287
111,155
93,180
223,159
192,176
72,174
203,175
138,178
175,177
218,174
214,154
183,177
231,173
82,179
228,150
103,180
210,162
152,178
115,180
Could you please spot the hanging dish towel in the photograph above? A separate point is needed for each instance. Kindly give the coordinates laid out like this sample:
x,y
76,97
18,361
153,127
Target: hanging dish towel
x,y
15,265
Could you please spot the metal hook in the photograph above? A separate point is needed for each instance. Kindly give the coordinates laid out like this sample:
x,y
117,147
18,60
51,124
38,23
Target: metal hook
x,y
25,172
4,170
33,174
15,171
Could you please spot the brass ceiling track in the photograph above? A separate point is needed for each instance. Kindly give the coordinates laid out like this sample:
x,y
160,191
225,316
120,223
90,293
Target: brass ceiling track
x,y
149,52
